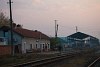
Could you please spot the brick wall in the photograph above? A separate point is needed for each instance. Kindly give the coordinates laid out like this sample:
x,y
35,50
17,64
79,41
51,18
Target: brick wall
x,y
5,49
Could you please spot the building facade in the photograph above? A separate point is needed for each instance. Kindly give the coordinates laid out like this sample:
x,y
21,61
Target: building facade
x,y
25,40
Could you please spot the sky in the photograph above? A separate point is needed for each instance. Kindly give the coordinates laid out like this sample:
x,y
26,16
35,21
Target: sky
x,y
40,15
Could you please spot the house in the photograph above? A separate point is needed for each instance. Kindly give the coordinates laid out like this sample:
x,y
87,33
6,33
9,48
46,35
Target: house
x,y
25,40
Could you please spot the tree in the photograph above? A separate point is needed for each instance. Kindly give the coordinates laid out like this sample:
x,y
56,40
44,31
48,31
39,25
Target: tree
x,y
54,42
4,21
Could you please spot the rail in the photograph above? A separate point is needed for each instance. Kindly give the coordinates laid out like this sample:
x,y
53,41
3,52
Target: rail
x,y
47,60
94,62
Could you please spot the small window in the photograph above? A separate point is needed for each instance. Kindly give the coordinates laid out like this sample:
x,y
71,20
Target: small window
x,y
30,46
24,43
43,46
48,45
36,45
1,40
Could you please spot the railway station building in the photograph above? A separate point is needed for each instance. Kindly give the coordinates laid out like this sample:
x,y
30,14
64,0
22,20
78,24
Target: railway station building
x,y
78,40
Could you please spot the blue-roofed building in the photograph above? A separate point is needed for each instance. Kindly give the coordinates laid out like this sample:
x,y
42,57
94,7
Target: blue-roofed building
x,y
78,40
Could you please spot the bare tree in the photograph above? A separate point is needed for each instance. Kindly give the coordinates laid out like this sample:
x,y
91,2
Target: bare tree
x,y
4,21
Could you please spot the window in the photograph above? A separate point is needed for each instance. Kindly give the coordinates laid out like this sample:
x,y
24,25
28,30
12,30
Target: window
x,y
48,45
15,40
36,45
24,45
1,39
30,46
43,46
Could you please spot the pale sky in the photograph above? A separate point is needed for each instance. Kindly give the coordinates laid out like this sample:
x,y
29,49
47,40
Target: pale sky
x,y
40,15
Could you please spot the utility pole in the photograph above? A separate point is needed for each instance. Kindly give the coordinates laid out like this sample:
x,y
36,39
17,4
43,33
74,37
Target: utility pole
x,y
11,28
56,31
56,28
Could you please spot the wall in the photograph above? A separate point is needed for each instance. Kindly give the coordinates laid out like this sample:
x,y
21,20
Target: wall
x,y
5,50
1,34
37,44
16,37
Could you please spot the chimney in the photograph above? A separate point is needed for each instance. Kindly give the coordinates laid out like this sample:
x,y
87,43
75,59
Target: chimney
x,y
36,31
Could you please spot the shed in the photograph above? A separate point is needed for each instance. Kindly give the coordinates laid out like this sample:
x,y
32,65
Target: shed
x,y
80,40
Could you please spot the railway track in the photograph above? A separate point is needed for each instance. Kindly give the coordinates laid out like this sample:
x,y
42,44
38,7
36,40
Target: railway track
x,y
47,61
40,63
94,63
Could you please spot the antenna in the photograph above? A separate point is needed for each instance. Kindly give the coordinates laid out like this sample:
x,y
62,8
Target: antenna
x,y
76,29
55,28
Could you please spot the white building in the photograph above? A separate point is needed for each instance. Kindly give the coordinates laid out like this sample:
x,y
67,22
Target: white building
x,y
31,40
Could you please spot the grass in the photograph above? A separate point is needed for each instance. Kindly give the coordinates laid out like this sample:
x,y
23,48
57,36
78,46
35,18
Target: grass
x,y
7,61
79,61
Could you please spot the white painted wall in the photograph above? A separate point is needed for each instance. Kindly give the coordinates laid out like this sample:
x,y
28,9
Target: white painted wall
x,y
27,41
